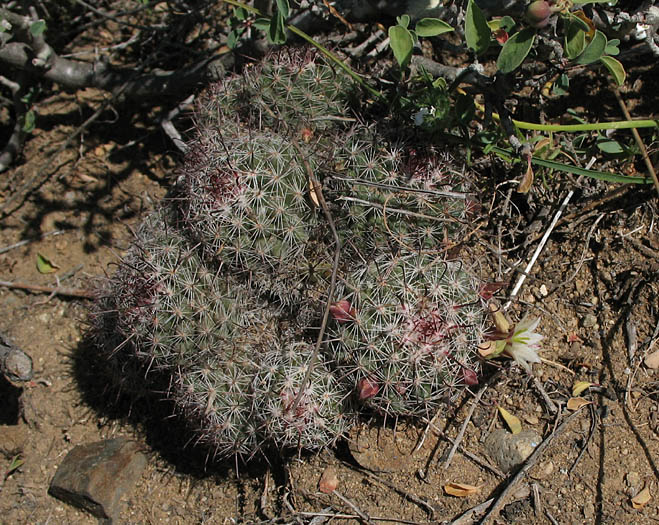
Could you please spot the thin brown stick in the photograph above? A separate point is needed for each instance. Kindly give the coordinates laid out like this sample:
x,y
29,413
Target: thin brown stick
x,y
480,462
339,516
28,241
549,403
468,516
362,515
415,499
639,141
530,462
316,189
463,428
593,424
54,290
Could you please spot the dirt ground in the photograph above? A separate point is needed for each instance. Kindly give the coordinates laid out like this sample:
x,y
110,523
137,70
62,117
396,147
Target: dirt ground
x,y
595,285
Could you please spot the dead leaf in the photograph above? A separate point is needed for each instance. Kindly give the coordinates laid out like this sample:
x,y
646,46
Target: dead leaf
x,y
487,348
642,498
652,360
461,490
575,403
45,265
579,387
527,180
312,192
329,480
513,422
490,349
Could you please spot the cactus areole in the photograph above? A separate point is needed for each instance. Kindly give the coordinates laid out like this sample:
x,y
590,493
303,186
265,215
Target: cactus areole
x,y
224,291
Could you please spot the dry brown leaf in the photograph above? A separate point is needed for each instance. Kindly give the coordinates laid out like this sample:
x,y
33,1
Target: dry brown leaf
x,y
461,490
312,193
527,180
328,481
652,360
579,387
513,422
486,348
642,498
575,403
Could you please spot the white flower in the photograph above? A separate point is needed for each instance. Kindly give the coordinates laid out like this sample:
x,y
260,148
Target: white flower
x,y
523,345
641,31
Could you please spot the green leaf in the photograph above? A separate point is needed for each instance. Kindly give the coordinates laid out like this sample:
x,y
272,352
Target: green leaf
x,y
515,50
561,85
402,43
240,13
594,50
477,32
594,2
507,24
615,68
431,27
16,463
262,23
612,47
44,265
29,121
403,21
277,29
283,9
37,28
575,37
610,146
575,170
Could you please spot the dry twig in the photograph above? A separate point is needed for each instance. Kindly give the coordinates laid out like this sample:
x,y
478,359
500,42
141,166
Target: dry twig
x,y
458,439
639,141
53,290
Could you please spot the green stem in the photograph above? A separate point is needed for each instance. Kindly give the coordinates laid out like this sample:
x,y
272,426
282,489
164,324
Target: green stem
x,y
331,56
624,124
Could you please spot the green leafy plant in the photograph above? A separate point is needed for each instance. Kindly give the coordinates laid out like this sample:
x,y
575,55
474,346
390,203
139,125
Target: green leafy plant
x,y
402,39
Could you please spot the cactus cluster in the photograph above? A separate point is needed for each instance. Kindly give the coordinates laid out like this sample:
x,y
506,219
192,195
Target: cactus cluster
x,y
224,290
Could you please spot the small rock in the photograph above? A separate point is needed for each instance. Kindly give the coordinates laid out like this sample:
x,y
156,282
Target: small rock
x,y
508,450
634,482
544,470
589,321
531,419
12,440
588,510
15,364
95,476
517,510
328,481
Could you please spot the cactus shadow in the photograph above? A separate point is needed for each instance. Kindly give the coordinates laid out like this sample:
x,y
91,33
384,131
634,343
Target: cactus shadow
x,y
153,419
164,431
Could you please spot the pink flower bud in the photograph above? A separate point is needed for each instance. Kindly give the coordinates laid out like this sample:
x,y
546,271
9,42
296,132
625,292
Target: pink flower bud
x,y
342,311
367,388
470,377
